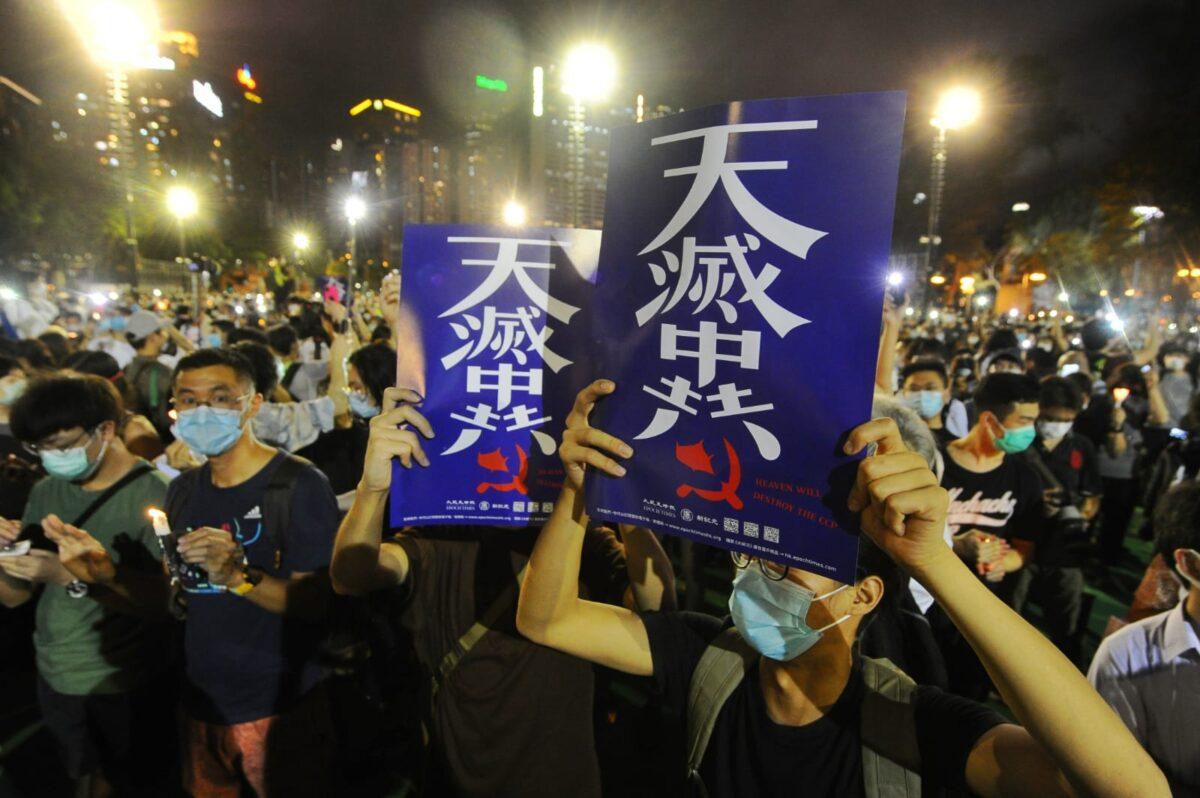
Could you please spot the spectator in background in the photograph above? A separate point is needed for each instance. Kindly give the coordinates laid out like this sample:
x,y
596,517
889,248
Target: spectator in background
x,y
1149,671
136,431
924,388
1178,383
149,380
301,379
18,470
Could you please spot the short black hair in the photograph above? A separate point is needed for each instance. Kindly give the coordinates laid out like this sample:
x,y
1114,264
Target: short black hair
x,y
1059,392
55,403
252,334
376,365
102,364
1082,382
926,349
58,346
1177,519
936,366
1003,338
35,354
282,338
1095,334
263,363
1000,393
213,356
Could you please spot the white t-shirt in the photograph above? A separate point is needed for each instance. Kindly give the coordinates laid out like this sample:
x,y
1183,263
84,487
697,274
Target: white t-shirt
x,y
120,350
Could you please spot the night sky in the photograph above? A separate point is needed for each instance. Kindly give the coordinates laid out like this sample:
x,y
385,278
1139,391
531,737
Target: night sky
x,y
314,59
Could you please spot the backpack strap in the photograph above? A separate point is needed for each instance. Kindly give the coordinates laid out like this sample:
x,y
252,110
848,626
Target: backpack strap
x,y
277,502
891,760
132,475
180,492
721,669
499,606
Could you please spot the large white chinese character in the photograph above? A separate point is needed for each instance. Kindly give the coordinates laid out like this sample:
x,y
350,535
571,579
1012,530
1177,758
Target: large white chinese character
x,y
730,399
479,419
506,265
784,233
505,382
664,419
522,417
706,351
503,333
707,283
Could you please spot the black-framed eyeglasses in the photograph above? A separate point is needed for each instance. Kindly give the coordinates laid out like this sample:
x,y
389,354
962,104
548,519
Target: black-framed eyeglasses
x,y
770,571
82,439
220,401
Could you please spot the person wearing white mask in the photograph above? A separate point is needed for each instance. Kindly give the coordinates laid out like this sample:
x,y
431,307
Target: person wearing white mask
x,y
1149,671
925,388
1177,384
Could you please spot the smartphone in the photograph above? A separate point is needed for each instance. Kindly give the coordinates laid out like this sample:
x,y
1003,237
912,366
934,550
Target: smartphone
x,y
1146,368
18,548
1179,434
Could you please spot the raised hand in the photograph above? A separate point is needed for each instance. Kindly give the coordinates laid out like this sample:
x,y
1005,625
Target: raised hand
x,y
10,530
583,445
37,566
389,299
216,551
902,507
392,436
84,557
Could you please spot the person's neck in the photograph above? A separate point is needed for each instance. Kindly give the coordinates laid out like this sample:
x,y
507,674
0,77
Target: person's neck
x,y
247,457
1050,444
116,464
976,452
935,422
803,690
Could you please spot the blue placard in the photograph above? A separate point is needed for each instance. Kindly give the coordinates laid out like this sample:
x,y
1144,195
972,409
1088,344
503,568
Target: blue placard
x,y
494,325
741,281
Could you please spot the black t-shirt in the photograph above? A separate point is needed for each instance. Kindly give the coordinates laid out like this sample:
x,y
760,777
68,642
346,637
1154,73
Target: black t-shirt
x,y
943,437
243,662
1006,501
1076,467
750,755
513,718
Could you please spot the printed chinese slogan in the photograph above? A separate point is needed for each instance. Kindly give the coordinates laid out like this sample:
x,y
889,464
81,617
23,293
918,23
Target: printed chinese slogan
x,y
741,279
494,322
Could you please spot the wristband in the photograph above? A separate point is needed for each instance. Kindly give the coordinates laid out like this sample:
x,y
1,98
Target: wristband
x,y
251,577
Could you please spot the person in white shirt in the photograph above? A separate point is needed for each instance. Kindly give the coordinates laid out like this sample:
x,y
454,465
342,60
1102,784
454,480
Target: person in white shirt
x,y
1149,671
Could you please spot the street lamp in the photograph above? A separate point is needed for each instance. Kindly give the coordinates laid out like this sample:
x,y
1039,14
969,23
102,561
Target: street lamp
x,y
956,109
355,209
300,242
183,203
589,75
119,34
514,214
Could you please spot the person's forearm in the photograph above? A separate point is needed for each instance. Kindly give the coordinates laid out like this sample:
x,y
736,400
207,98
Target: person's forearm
x,y
1050,698
338,381
651,576
14,592
885,365
1115,443
134,593
305,597
551,585
356,568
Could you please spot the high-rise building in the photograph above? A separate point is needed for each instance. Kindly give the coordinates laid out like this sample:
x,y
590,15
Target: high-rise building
x,y
490,154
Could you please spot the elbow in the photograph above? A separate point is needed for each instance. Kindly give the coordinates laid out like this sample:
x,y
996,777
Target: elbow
x,y
345,575
530,624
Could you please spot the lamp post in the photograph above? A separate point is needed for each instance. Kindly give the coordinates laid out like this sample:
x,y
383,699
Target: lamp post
x,y
514,214
356,209
956,109
300,242
119,34
589,74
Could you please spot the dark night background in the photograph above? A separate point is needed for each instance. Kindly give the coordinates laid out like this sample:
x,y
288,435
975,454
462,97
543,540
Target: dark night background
x,y
1076,94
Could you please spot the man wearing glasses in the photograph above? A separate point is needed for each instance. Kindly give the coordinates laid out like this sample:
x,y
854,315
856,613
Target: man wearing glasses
x,y
94,645
795,709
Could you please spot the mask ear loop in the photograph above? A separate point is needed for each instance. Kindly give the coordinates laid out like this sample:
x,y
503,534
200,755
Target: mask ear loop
x,y
830,594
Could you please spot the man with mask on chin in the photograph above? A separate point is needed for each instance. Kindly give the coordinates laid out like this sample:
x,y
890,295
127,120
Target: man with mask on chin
x,y
254,709
94,644
796,710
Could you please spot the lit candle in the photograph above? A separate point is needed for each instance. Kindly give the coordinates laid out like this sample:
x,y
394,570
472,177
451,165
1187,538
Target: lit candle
x,y
159,519
1120,394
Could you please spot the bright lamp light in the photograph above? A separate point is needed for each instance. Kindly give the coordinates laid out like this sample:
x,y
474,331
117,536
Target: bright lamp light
x,y
957,108
590,72
118,31
514,214
356,209
182,202
300,241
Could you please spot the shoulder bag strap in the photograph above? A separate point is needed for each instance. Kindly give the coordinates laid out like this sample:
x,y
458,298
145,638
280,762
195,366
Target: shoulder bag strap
x,y
112,490
891,760
721,669
277,502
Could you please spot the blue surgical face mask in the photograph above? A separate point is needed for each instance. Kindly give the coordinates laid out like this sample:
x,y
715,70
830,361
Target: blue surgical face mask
x,y
11,391
927,403
214,339
117,324
772,616
209,430
72,464
1015,441
362,406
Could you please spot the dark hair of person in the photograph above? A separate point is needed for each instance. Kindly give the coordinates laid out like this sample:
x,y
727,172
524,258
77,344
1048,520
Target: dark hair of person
x,y
137,343
252,334
1177,520
212,356
936,366
1044,363
1001,339
282,338
102,364
927,349
262,362
1059,392
1095,334
376,365
382,334
1082,383
8,365
1000,393
55,403
58,346
35,354
1129,375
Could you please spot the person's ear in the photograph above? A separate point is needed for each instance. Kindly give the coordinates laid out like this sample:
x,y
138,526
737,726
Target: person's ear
x,y
867,595
1187,562
256,402
108,431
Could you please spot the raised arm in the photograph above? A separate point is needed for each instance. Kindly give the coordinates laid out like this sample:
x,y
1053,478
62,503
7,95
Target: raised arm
x,y
893,318
361,563
550,611
1071,742
651,575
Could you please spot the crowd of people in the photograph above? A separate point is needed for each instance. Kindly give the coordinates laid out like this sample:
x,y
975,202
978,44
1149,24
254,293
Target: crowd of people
x,y
197,568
